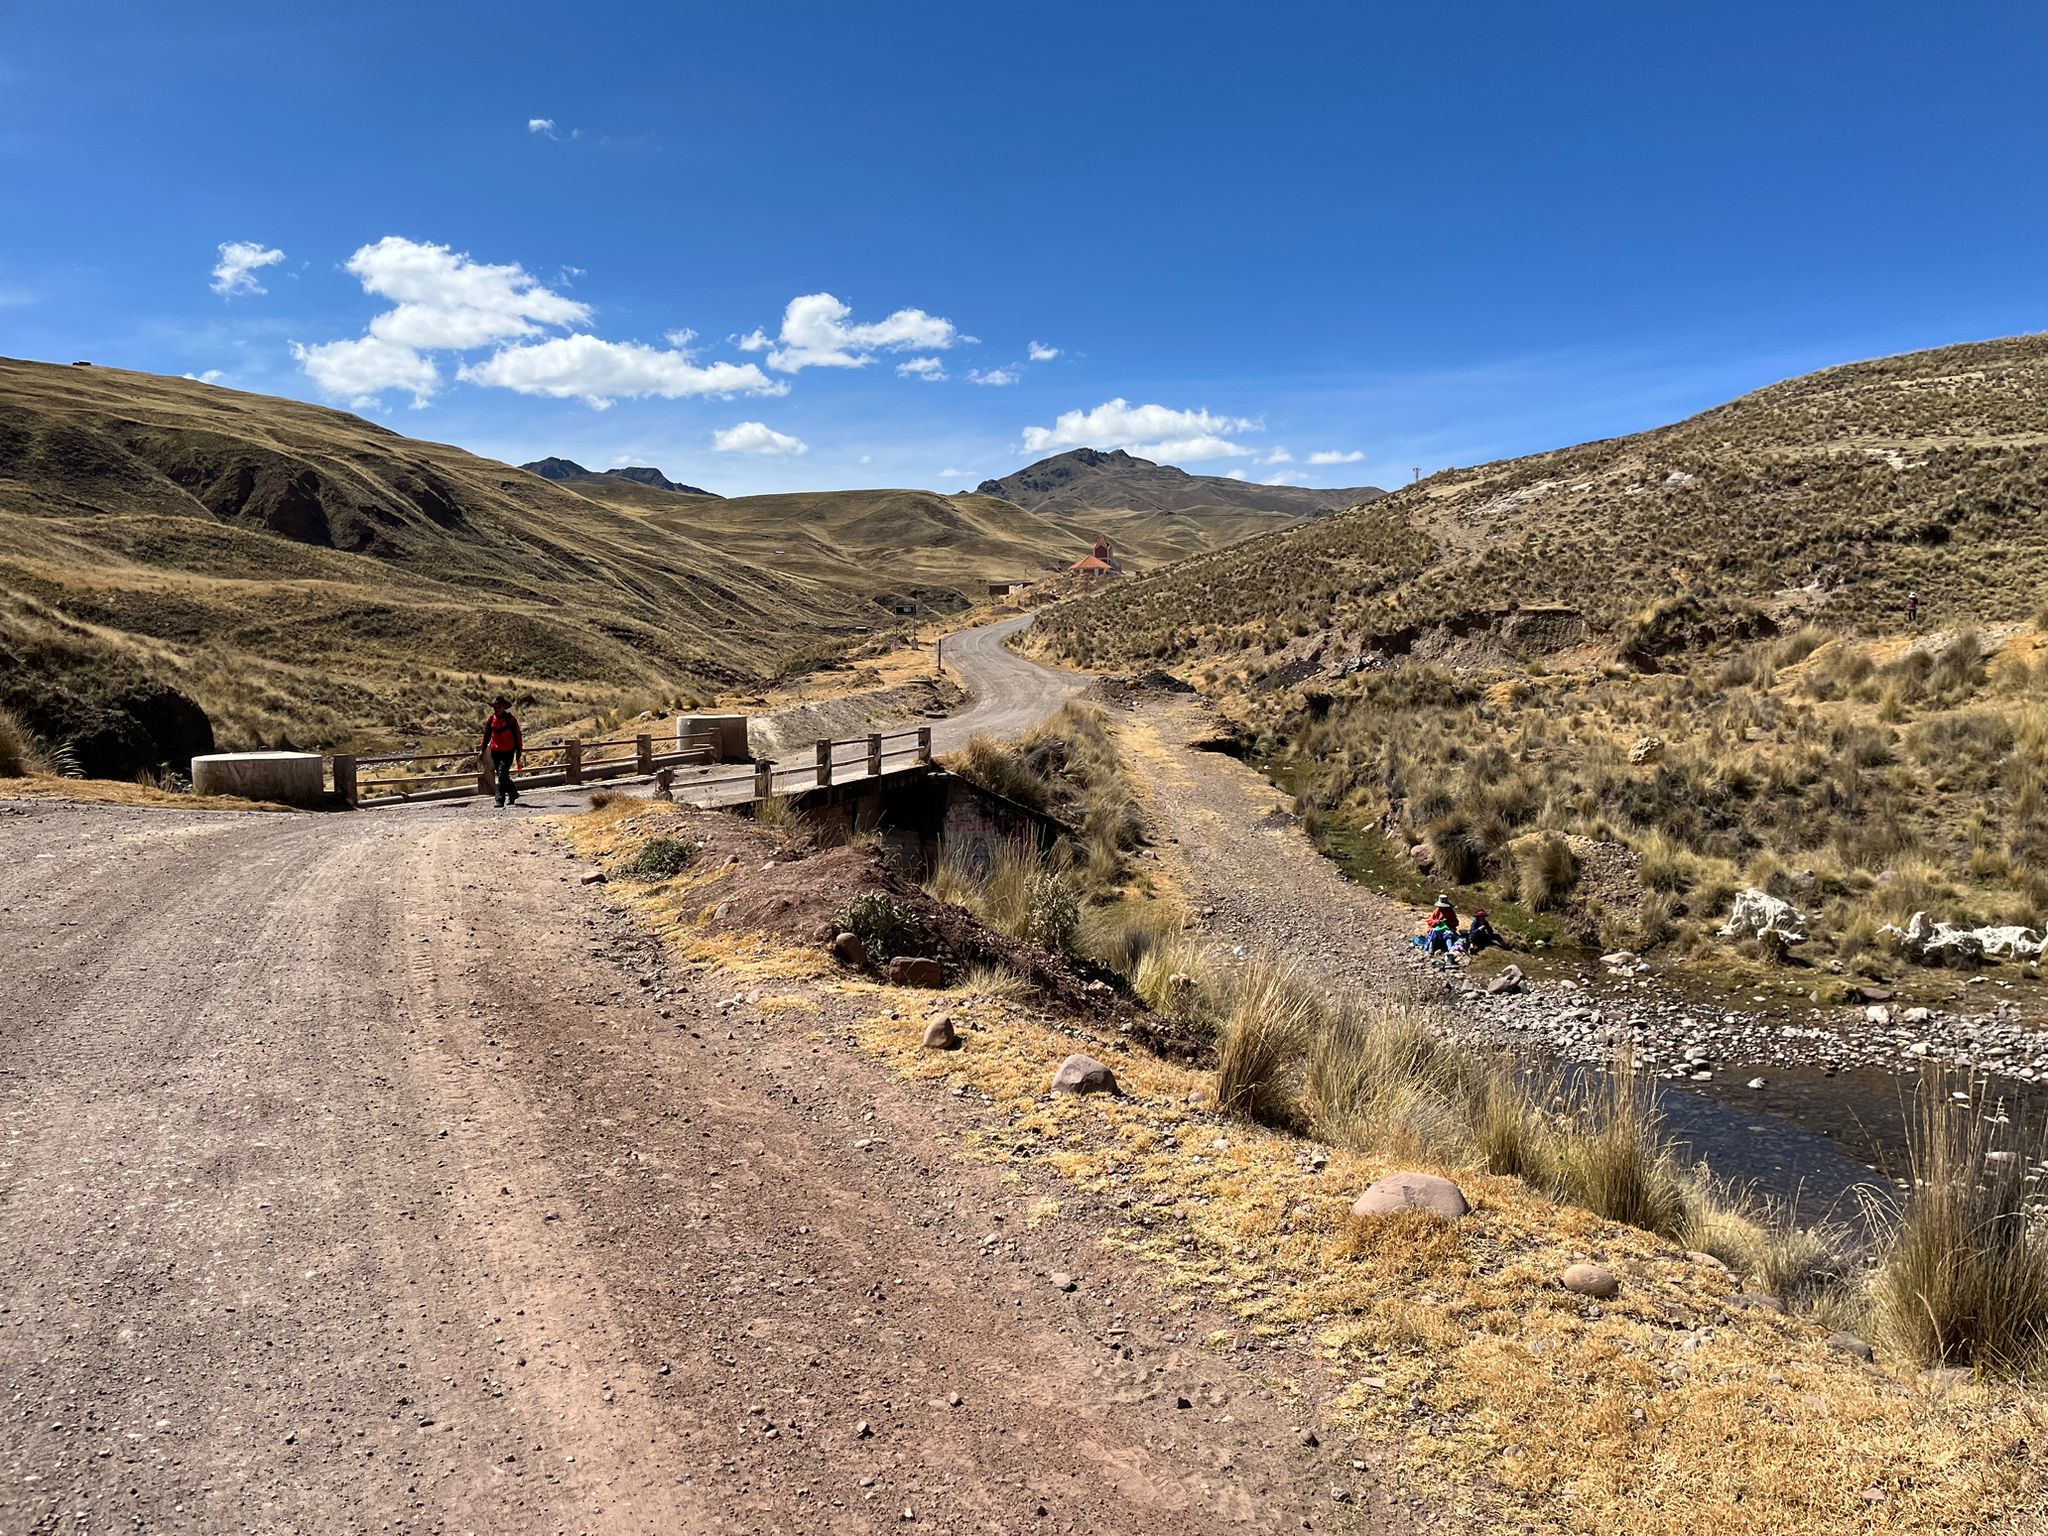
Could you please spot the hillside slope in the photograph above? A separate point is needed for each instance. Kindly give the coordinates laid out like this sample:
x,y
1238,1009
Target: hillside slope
x,y
309,575
1086,480
943,550
1832,495
1620,682
570,472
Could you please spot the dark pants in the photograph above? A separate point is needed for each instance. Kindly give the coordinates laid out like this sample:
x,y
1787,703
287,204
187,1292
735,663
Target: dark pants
x,y
502,761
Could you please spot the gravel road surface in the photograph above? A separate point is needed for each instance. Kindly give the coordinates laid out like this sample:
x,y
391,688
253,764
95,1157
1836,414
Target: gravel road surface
x,y
367,1172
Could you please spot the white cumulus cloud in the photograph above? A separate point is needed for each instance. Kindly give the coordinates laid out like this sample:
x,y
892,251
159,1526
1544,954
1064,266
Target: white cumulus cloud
x,y
757,437
1277,456
1333,456
588,368
240,261
817,332
998,377
1286,477
1151,431
541,125
210,376
1042,353
444,298
930,369
361,370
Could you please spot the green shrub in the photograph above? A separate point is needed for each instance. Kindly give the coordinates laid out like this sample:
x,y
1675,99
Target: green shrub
x,y
662,858
885,926
1052,913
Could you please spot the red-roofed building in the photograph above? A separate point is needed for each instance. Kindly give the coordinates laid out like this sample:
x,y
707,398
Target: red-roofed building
x,y
1099,565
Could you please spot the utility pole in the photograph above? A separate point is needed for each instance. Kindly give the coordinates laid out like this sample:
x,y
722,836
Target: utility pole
x,y
939,658
1418,472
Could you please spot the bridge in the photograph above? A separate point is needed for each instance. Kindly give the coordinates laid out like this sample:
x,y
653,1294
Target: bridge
x,y
696,774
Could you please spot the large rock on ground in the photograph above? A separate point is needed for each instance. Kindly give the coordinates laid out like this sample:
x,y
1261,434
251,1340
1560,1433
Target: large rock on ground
x,y
1412,1192
1509,980
848,950
1084,1074
1590,1280
939,1035
915,971
1759,914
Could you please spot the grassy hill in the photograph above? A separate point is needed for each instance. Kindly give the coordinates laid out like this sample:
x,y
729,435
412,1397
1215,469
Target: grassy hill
x,y
311,577
890,544
1689,650
1086,482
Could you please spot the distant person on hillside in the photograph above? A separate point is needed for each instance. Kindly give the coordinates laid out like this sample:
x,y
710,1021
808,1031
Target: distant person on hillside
x,y
1444,913
503,747
1912,607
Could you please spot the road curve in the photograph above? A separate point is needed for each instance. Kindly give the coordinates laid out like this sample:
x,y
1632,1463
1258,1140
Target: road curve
x,y
1007,693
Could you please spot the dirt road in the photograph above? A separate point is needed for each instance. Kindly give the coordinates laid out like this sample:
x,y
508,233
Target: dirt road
x,y
1008,693
367,1172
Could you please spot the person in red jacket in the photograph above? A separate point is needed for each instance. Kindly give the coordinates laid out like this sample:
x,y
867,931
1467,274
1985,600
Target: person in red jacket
x,y
503,746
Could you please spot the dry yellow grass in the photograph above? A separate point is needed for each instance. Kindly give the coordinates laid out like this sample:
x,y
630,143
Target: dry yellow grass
x,y
1664,1412
1667,1413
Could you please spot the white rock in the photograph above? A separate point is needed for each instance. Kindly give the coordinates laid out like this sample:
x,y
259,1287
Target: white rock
x,y
1758,913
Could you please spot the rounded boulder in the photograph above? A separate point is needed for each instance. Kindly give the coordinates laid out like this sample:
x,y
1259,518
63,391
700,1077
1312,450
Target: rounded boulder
x,y
1412,1192
1590,1280
1084,1074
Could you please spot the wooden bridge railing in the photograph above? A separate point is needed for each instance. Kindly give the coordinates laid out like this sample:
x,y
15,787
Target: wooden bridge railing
x,y
458,775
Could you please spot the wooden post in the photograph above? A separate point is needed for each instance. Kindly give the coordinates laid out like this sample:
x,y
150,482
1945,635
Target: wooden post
x,y
824,762
345,779
764,779
924,744
875,756
572,761
643,753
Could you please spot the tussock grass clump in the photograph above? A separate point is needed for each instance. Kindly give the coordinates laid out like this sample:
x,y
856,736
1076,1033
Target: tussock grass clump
x,y
780,811
1069,768
1965,1277
1613,1158
21,753
1275,1014
1545,872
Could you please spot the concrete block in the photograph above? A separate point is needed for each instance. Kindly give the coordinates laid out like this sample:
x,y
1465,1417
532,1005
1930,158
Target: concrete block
x,y
726,735
295,778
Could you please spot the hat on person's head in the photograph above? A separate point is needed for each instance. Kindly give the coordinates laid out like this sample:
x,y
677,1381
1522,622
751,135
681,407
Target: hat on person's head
x,y
501,702
1442,900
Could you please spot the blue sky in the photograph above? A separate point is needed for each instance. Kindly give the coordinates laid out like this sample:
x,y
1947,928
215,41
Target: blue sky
x,y
799,246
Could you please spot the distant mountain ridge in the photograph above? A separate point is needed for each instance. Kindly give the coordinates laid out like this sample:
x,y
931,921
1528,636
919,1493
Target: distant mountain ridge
x,y
639,474
1088,479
